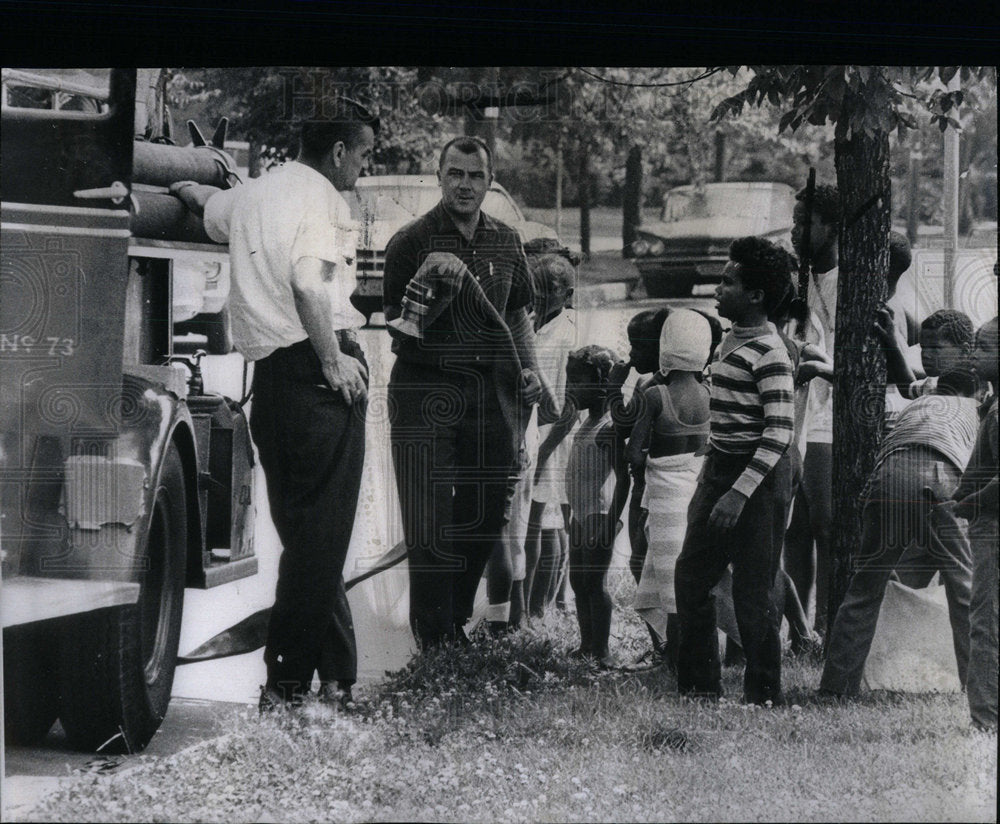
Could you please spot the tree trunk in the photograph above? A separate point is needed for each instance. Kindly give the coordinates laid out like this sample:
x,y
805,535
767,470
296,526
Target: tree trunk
x,y
859,362
632,205
478,124
720,157
584,190
255,162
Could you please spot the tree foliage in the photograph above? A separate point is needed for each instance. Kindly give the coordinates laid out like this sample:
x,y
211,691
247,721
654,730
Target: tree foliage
x,y
864,104
665,111
265,104
868,99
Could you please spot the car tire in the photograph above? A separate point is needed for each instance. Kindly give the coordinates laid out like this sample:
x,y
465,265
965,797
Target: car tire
x,y
117,664
30,683
661,286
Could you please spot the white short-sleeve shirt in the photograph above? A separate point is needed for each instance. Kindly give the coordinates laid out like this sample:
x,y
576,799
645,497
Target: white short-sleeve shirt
x,y
821,331
273,221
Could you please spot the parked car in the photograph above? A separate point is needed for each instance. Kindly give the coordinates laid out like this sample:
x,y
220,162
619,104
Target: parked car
x,y
690,242
389,202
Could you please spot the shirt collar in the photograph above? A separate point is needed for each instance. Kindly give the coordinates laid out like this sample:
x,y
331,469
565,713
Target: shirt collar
x,y
446,223
740,336
299,169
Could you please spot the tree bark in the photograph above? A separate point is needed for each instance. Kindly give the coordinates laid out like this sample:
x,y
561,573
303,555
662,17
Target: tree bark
x,y
254,161
859,363
477,124
720,157
632,203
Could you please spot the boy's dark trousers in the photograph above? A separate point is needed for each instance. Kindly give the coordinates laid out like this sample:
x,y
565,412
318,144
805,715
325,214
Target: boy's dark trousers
x,y
312,449
753,547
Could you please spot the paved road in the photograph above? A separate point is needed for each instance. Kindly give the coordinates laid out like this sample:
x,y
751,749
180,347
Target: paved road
x,y
206,694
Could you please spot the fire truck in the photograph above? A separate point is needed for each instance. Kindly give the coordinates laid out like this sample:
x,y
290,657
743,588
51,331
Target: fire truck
x,y
123,480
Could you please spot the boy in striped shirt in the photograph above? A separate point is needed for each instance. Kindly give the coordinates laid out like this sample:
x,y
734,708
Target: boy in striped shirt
x,y
739,510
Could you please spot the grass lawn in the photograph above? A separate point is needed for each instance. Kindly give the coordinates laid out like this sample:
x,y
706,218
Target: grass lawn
x,y
516,730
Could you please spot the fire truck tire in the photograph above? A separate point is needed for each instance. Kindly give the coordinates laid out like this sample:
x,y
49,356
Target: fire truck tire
x,y
117,665
30,683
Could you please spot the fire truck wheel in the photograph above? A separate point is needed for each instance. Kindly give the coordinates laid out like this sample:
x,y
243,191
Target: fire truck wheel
x,y
118,664
30,683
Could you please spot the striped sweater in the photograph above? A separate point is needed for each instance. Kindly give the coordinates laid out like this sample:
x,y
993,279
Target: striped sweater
x,y
752,410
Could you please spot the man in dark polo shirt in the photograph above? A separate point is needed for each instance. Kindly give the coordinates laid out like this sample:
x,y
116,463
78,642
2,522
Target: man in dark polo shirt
x,y
457,418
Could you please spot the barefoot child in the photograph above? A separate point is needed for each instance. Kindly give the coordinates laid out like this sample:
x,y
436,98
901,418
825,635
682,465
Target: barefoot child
x,y
644,341
545,541
672,426
596,485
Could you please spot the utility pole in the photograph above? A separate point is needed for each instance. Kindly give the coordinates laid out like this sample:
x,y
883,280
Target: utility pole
x,y
632,196
950,203
559,184
913,193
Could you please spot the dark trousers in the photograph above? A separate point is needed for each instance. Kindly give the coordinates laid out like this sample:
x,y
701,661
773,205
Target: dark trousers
x,y
453,456
812,517
312,450
982,683
753,547
896,513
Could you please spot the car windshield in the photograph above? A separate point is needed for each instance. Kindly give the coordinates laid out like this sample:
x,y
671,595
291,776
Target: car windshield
x,y
687,204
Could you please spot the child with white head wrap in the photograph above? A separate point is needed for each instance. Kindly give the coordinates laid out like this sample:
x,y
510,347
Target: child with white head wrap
x,y
673,425
685,342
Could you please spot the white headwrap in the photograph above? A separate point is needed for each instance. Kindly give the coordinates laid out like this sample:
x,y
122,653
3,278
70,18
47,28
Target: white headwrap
x,y
685,341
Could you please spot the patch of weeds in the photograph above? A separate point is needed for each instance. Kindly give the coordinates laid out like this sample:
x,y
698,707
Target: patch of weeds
x,y
520,663
663,737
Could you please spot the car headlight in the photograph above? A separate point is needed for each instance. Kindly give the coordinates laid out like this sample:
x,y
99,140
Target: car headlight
x,y
640,247
656,247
